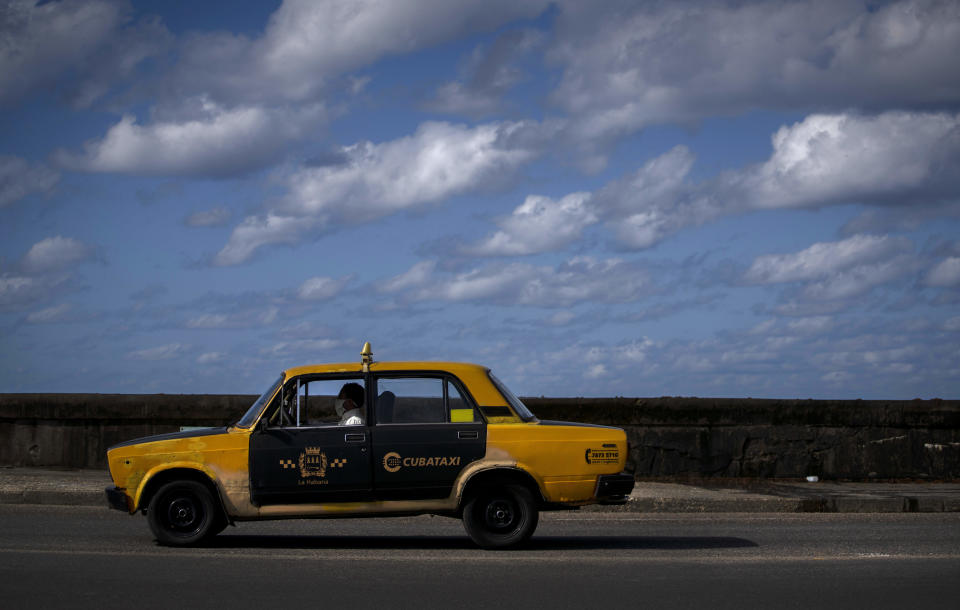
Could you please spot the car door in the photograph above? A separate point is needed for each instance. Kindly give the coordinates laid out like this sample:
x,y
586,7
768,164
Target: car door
x,y
300,454
427,431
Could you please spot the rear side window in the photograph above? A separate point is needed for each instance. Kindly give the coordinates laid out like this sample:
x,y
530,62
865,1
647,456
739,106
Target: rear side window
x,y
421,400
460,410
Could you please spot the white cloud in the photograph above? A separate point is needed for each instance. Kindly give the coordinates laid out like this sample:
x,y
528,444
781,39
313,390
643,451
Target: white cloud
x,y
257,231
488,74
19,179
307,43
161,352
889,219
643,63
893,159
42,40
837,270
209,320
561,318
836,378
214,141
248,98
55,253
540,224
439,161
217,217
897,159
48,315
18,289
41,272
952,325
577,280
415,277
358,84
946,273
210,357
854,355
303,346
655,201
229,312
823,259
270,315
763,327
859,279
813,325
116,61
322,288
828,159
875,356
597,361
596,371
78,50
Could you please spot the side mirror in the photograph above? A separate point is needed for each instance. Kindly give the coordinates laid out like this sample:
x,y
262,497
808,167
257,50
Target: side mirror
x,y
262,426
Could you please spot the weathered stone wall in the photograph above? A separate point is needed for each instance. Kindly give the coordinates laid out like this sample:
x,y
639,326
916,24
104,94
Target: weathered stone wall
x,y
75,430
703,437
669,437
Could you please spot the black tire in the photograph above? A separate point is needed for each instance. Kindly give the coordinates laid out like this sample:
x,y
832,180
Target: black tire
x,y
501,517
183,513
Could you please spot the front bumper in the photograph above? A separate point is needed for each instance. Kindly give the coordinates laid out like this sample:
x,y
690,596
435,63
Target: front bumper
x,y
116,498
614,488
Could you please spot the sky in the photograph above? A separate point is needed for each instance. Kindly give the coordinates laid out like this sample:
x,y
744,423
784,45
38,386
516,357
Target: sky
x,y
718,199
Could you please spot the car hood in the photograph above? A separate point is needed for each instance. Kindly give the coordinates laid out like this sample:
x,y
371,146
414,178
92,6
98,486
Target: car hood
x,y
171,435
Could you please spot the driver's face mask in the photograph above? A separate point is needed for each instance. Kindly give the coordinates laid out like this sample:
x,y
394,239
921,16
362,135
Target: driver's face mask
x,y
338,405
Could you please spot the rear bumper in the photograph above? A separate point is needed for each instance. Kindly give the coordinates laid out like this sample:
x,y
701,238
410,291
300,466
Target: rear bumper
x,y
116,498
614,488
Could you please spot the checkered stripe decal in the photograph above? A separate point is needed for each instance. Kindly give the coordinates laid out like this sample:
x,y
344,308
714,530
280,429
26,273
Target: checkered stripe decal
x,y
288,464
338,463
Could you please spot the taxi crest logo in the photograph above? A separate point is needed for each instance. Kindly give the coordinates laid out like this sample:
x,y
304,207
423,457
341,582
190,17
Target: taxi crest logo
x,y
313,463
392,462
608,454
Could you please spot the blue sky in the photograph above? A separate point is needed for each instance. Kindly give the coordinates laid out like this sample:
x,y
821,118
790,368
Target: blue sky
x,y
618,198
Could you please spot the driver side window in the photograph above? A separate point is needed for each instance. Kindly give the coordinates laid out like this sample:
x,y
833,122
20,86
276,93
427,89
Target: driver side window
x,y
311,402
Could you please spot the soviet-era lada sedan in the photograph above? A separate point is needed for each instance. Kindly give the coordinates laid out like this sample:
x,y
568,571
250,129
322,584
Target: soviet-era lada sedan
x,y
372,438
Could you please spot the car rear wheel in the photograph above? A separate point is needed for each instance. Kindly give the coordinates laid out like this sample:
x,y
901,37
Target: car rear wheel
x,y
501,517
183,513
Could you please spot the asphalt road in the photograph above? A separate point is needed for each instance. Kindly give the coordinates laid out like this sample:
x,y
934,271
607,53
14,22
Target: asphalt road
x,y
89,557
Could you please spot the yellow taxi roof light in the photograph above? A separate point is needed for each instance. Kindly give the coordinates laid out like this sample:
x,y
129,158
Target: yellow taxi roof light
x,y
366,356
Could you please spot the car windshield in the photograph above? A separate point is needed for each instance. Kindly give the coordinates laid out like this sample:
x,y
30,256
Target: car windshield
x,y
515,402
251,415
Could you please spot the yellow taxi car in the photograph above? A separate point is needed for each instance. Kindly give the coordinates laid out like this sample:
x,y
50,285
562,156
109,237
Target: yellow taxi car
x,y
372,438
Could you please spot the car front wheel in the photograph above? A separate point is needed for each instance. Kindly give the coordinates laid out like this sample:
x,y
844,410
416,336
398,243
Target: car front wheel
x,y
501,517
182,513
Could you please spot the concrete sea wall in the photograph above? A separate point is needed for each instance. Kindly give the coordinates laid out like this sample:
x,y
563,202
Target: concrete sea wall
x,y
832,439
671,437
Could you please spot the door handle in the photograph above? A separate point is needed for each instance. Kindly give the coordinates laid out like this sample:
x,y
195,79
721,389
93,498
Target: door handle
x,y
355,438
468,434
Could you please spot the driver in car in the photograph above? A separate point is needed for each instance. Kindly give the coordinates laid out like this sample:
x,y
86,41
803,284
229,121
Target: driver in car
x,y
349,404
